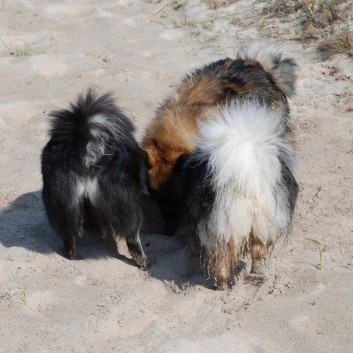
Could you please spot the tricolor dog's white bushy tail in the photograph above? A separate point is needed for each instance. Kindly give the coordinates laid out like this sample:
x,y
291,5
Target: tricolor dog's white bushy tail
x,y
269,56
249,170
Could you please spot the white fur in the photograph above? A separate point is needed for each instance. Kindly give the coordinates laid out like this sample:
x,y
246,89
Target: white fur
x,y
86,187
269,56
243,146
103,128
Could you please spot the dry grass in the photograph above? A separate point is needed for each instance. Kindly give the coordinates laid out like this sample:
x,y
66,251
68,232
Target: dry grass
x,y
309,33
19,47
339,43
318,20
318,12
215,4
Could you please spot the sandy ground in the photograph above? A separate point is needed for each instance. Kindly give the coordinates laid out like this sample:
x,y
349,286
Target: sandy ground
x,y
49,52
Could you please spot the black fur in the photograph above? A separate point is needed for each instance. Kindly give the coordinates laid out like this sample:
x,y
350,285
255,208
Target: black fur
x,y
197,193
83,153
289,186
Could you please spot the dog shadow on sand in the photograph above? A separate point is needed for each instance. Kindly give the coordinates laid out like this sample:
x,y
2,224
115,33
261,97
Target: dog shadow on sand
x,y
24,224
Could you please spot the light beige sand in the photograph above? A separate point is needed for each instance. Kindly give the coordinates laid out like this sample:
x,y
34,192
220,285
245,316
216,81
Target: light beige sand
x,y
49,52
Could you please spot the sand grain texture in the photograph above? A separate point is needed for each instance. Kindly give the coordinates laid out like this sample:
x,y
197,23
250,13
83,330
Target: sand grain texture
x,y
49,52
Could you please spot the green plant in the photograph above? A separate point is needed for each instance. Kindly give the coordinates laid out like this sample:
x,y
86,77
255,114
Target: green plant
x,y
207,25
319,265
308,8
26,50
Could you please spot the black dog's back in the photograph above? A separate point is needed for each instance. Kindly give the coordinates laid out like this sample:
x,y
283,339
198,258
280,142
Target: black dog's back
x,y
94,174
91,131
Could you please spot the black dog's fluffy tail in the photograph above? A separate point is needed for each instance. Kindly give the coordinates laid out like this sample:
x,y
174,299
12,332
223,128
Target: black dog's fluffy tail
x,y
269,55
92,126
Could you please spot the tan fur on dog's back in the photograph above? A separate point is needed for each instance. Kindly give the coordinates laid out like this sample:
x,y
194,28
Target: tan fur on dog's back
x,y
171,135
203,90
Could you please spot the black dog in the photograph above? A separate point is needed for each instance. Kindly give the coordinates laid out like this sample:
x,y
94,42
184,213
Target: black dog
x,y
94,174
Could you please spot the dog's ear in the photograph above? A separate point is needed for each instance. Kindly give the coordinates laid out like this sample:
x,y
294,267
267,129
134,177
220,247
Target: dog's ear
x,y
180,163
146,158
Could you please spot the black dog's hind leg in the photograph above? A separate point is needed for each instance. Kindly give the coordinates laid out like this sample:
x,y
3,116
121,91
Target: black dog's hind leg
x,y
134,245
72,229
70,247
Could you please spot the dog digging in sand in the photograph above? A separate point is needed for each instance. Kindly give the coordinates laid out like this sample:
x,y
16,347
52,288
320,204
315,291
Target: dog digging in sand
x,y
221,153
94,174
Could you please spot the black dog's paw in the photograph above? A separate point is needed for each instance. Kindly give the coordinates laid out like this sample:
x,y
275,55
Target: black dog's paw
x,y
142,262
